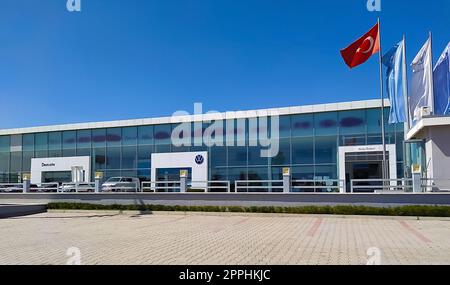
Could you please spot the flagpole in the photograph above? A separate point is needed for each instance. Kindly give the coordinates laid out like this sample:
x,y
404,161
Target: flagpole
x,y
431,72
405,88
383,131
407,127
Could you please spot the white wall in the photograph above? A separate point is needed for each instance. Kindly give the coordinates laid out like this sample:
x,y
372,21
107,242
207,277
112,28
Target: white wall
x,y
182,160
39,165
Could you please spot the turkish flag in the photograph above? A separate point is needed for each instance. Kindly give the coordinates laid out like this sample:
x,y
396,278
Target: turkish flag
x,y
361,50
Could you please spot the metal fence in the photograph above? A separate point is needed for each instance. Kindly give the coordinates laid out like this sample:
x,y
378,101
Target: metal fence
x,y
318,186
435,185
82,187
208,186
11,187
380,185
242,186
120,187
258,186
160,186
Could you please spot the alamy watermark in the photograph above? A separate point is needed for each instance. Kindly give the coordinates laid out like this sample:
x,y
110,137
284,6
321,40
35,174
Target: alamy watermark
x,y
373,256
261,131
74,254
73,5
374,5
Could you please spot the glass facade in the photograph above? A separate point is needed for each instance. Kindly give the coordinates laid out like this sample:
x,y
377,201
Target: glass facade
x,y
308,145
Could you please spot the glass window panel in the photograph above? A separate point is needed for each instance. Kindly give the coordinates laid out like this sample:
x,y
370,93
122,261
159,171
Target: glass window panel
x,y
218,174
99,159
352,140
326,149
26,160
41,141
84,139
399,145
54,153
144,156
144,174
113,158
237,174
145,135
324,172
162,148
302,150
4,143
285,126
302,125
129,157
129,173
258,173
113,137
16,161
303,172
4,161
254,155
374,122
83,152
326,123
111,173
352,122
69,152
54,141
41,153
129,136
162,134
284,153
237,155
218,156
69,139
99,138
28,142
16,143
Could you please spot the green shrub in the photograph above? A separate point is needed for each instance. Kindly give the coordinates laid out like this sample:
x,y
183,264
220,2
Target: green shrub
x,y
415,211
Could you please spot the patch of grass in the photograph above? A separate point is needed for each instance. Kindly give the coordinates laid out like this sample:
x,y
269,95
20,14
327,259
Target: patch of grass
x,y
412,211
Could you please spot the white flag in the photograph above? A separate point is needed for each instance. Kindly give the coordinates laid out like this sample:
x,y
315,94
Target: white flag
x,y
422,81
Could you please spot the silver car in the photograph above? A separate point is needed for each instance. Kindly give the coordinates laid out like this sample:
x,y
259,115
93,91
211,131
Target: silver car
x,y
74,187
121,184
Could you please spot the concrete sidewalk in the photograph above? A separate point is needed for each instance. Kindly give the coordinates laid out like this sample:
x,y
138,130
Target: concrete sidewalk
x,y
243,239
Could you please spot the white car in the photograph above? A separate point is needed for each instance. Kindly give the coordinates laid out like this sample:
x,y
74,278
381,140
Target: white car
x,y
73,187
121,184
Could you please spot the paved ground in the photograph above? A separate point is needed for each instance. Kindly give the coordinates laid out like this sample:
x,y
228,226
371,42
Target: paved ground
x,y
108,238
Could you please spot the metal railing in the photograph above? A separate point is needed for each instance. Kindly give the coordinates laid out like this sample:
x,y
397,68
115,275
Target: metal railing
x,y
11,187
77,187
258,186
208,186
160,186
435,185
380,185
318,186
45,187
121,187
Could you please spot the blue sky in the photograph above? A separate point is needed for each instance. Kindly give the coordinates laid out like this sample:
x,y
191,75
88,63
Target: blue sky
x,y
129,59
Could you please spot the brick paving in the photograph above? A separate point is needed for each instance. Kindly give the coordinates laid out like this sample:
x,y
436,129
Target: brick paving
x,y
230,239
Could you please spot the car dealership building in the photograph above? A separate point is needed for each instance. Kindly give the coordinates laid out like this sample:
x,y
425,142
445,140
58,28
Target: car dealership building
x,y
317,142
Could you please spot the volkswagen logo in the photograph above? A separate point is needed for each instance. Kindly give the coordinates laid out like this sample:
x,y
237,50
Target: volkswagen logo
x,y
199,159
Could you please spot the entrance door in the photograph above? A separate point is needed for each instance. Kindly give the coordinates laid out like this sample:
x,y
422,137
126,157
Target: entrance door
x,y
364,165
171,175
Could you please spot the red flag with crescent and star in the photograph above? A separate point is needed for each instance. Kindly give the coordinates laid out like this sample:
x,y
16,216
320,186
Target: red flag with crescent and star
x,y
360,51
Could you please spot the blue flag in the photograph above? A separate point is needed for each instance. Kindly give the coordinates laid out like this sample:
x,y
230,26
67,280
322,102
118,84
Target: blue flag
x,y
441,77
393,60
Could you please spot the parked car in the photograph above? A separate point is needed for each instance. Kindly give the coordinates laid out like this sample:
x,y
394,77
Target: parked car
x,y
121,184
73,187
11,188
